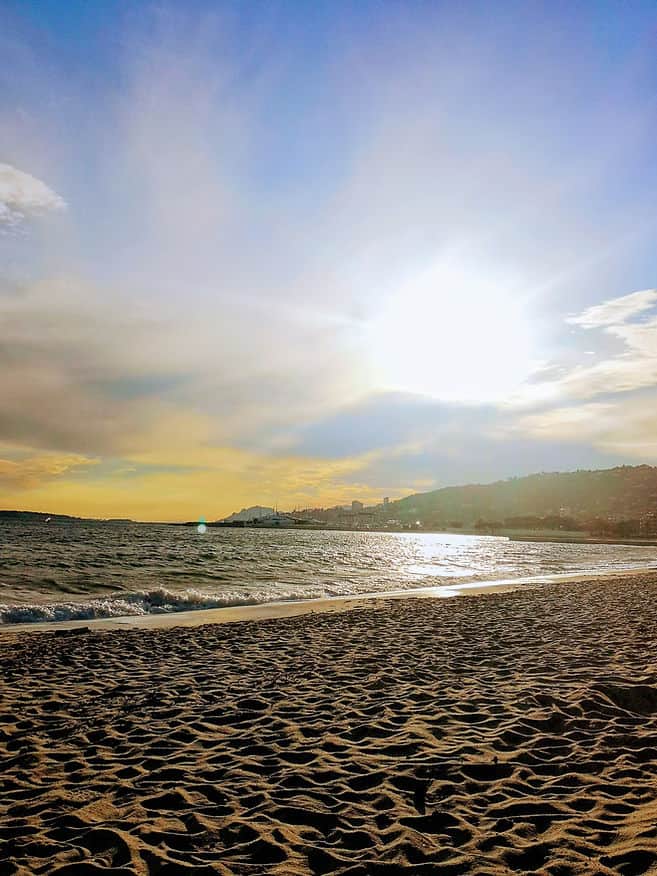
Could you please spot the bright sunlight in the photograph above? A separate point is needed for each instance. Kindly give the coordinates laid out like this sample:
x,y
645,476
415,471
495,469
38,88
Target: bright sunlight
x,y
455,333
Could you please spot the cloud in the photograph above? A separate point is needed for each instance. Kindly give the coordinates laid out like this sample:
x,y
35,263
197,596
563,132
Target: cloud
x,y
616,311
624,373
387,421
31,472
23,197
632,367
60,348
626,427
86,371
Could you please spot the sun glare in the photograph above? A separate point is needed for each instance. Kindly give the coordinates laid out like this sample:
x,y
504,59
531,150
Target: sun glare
x,y
454,334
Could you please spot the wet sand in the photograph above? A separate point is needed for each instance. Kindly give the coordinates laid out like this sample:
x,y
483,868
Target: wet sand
x,y
502,733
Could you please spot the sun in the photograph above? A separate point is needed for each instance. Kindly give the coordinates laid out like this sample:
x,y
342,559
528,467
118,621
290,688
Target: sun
x,y
453,332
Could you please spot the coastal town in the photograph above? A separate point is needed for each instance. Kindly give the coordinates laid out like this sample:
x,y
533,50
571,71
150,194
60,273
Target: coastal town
x,y
356,515
617,503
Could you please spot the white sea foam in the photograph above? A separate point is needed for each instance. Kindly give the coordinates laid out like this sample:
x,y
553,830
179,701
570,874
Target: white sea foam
x,y
159,601
163,601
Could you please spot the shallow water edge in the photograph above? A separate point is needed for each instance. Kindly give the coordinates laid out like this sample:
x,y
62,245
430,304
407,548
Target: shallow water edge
x,y
294,608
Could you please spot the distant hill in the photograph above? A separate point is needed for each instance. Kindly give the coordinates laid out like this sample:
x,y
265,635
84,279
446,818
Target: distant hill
x,y
45,517
256,512
622,492
34,516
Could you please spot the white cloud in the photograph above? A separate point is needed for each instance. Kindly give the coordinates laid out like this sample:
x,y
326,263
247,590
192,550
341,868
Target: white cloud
x,y
627,426
608,413
633,367
23,196
615,311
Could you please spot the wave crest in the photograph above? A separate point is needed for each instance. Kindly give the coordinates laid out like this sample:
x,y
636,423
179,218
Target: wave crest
x,y
157,601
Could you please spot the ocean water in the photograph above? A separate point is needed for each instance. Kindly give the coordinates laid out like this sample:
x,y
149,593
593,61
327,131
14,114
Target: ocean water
x,y
61,571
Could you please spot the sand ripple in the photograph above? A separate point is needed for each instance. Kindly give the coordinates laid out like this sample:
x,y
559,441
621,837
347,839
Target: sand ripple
x,y
511,733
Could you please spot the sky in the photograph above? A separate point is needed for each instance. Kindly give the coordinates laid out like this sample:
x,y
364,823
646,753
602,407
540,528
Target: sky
x,y
302,253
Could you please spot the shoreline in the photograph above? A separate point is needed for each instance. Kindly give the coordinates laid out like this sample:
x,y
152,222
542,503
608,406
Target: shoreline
x,y
296,608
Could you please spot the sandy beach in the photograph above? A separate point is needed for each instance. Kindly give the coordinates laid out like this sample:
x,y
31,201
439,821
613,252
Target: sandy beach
x,y
498,733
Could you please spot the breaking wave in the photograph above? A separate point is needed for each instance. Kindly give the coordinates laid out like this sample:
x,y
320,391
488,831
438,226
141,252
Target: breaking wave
x,y
160,601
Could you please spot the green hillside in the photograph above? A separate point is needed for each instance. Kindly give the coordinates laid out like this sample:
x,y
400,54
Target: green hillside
x,y
625,492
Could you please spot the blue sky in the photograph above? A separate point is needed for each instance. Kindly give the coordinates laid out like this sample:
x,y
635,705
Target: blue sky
x,y
321,251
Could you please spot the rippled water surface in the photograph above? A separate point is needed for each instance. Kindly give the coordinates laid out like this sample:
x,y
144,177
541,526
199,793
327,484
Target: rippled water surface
x,y
58,571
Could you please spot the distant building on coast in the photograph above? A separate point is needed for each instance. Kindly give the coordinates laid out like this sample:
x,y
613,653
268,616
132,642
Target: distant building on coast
x,y
248,515
277,521
356,506
386,501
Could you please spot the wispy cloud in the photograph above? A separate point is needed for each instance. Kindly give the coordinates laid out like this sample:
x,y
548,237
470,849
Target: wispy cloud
x,y
627,363
626,427
30,471
616,311
609,404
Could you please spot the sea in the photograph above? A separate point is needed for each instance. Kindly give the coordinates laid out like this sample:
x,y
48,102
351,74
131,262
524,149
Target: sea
x,y
61,571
